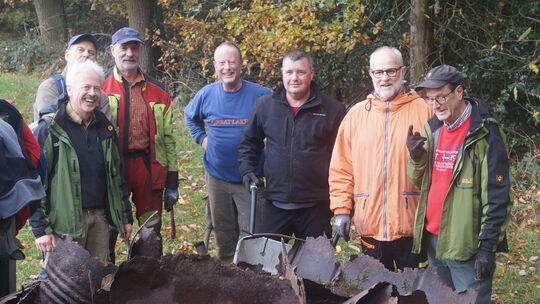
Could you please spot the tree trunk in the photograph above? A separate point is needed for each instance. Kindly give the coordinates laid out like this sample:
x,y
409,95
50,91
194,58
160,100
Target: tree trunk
x,y
421,44
140,15
52,22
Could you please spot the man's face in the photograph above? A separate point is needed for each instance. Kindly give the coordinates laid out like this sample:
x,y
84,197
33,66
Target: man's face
x,y
84,93
297,76
228,66
386,87
126,55
447,105
80,51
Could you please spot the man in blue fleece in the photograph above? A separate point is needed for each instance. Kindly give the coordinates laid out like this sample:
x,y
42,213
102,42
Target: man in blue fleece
x,y
224,106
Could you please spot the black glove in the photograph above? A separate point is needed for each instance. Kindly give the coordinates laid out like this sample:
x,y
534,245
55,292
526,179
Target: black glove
x,y
250,178
484,264
415,144
171,196
343,225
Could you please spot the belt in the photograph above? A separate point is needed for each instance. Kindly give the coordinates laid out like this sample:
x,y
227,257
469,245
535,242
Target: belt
x,y
138,153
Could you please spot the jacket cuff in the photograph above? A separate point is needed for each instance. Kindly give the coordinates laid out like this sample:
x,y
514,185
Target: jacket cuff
x,y
172,180
339,211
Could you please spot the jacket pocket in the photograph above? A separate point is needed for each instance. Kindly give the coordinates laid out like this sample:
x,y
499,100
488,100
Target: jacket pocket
x,y
360,203
407,213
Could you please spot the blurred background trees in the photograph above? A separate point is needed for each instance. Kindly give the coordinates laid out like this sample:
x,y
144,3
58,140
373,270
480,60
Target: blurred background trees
x,y
496,43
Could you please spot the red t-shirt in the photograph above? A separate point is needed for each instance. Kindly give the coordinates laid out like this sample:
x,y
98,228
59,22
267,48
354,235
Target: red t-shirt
x,y
444,158
294,109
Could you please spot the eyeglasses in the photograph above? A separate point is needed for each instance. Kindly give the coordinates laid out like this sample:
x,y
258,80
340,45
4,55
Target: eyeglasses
x,y
389,72
440,100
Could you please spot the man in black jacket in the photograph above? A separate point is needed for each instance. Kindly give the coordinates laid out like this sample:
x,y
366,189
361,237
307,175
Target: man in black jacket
x,y
298,124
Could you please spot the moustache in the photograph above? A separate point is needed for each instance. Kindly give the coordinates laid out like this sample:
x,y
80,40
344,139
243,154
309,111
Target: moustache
x,y
129,58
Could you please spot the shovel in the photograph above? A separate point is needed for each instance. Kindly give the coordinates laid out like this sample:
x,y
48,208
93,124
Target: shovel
x,y
258,249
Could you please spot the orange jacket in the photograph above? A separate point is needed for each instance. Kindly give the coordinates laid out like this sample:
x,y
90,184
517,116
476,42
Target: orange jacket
x,y
369,166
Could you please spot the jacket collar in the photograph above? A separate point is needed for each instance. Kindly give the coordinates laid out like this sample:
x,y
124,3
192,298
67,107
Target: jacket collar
x,y
479,112
401,99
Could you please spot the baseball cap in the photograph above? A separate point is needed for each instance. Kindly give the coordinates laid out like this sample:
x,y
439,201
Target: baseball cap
x,y
77,38
126,34
441,75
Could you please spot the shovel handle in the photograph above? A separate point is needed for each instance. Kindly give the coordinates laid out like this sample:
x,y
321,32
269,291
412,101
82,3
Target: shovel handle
x,y
253,209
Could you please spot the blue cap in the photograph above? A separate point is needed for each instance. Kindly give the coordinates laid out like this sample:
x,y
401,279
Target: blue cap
x,y
77,38
126,34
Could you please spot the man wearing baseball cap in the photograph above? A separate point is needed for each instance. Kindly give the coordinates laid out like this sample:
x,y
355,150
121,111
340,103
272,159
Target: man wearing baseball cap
x,y
53,89
460,164
141,110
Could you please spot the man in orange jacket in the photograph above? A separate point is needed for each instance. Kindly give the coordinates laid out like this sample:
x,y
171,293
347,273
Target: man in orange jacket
x,y
368,170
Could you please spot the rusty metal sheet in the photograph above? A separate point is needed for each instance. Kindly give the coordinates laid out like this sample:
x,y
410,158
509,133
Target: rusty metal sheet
x,y
315,259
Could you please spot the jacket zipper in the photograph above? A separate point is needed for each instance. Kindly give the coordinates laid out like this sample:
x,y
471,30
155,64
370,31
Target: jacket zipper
x,y
385,171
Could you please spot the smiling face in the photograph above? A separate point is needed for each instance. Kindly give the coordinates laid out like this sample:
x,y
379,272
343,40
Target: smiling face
x,y
387,87
297,76
84,93
228,66
80,51
126,55
450,104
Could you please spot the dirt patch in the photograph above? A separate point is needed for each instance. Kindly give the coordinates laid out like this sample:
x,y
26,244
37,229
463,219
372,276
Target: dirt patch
x,y
188,278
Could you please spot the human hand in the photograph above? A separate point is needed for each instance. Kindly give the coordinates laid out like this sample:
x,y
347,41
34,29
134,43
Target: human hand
x,y
415,144
484,264
46,243
204,142
171,197
343,225
250,178
127,234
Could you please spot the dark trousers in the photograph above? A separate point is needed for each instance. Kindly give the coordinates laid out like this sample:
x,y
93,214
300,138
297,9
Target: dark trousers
x,y
392,254
312,221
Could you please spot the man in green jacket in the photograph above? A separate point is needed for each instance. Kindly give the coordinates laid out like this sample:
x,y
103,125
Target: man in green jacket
x,y
460,164
83,180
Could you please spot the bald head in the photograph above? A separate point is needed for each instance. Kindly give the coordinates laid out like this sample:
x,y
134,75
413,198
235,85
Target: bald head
x,y
386,53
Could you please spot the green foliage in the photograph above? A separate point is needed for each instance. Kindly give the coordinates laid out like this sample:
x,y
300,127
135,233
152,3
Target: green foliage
x,y
16,19
497,44
23,54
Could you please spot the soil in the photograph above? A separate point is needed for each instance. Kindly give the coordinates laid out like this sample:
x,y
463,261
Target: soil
x,y
188,278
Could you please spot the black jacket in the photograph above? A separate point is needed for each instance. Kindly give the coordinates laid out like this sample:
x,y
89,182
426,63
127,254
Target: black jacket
x,y
298,147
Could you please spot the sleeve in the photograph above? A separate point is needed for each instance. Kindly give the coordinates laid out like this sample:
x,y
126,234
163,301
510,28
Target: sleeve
x,y
340,174
252,140
46,92
38,219
194,118
497,203
104,107
170,147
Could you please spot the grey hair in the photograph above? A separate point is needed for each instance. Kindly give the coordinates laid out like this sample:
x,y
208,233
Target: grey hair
x,y
396,52
298,54
229,44
78,68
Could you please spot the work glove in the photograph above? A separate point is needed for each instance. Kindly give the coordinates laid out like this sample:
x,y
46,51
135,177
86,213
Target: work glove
x,y
415,144
343,225
484,264
250,178
171,197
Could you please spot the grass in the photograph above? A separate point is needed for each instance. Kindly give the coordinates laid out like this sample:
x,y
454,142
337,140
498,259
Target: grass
x,y
517,278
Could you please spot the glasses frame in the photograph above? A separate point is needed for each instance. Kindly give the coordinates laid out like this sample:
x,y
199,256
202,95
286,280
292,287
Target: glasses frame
x,y
393,71
434,100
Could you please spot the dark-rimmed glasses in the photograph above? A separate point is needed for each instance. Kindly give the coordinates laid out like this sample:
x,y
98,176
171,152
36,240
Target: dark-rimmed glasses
x,y
440,100
389,72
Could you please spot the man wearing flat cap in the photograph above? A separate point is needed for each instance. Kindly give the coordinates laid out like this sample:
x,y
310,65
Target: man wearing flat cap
x,y
53,89
460,164
141,110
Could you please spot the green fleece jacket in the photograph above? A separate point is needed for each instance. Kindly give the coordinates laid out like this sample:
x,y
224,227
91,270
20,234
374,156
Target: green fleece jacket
x,y
63,207
477,206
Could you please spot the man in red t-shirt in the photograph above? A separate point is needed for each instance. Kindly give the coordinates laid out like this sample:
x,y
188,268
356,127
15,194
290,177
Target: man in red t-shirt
x,y
460,163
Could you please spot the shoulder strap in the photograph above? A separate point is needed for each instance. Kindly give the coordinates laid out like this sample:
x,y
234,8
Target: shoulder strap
x,y
60,85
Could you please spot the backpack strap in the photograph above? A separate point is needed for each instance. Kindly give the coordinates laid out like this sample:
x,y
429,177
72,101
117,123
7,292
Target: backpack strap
x,y
60,85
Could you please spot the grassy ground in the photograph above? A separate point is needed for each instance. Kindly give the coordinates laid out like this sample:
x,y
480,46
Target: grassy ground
x,y
517,279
